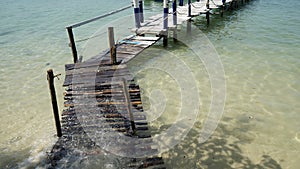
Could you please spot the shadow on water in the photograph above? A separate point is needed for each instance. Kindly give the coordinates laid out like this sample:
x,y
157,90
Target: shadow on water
x,y
219,151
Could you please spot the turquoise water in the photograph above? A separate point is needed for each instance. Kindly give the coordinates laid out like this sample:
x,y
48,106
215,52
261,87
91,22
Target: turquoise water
x,y
257,44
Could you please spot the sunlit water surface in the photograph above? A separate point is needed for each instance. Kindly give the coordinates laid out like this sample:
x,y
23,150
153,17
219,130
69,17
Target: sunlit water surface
x,y
257,44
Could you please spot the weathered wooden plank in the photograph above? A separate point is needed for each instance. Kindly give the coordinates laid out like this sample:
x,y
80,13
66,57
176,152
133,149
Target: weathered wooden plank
x,y
103,110
113,96
80,70
70,103
99,86
88,80
106,91
95,75
107,96
138,42
144,38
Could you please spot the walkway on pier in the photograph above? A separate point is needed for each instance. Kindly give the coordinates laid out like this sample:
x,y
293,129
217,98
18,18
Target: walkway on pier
x,y
177,15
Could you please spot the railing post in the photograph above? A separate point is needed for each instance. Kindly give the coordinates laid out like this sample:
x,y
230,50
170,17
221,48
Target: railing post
x,y
141,6
112,46
136,14
189,8
50,78
72,44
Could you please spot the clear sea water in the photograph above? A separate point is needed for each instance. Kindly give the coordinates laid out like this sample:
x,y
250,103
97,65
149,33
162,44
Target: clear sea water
x,y
258,44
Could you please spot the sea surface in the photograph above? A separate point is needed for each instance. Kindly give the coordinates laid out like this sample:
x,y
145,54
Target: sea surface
x,y
257,44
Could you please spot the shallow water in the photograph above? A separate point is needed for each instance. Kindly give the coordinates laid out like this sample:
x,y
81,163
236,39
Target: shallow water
x,y
258,47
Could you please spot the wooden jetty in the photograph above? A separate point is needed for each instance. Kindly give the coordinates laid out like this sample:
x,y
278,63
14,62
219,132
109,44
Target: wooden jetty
x,y
101,95
99,88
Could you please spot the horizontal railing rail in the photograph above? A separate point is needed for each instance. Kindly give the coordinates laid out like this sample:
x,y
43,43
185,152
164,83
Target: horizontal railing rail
x,y
70,29
98,17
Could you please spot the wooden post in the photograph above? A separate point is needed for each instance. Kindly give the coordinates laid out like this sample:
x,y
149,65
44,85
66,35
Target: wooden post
x,y
136,14
112,46
129,109
50,78
231,5
165,15
189,27
175,35
165,22
174,6
207,12
180,2
222,8
189,8
72,44
141,6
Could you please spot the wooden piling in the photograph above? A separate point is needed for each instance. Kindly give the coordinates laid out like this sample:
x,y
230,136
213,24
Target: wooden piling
x,y
165,40
174,6
236,4
189,27
189,8
207,13
72,44
180,2
112,46
165,15
136,14
165,22
141,7
175,35
50,78
222,11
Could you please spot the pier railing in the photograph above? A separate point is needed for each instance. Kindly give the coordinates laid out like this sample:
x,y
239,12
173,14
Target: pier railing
x,y
71,27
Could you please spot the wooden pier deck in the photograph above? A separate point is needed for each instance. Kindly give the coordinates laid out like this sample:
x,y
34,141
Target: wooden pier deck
x,y
108,94
101,97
